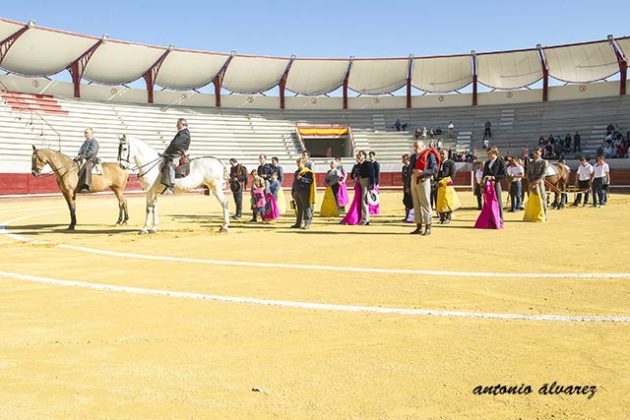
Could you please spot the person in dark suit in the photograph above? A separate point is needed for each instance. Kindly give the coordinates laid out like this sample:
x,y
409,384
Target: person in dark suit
x,y
446,170
367,180
175,150
277,169
405,175
88,155
238,184
265,170
494,169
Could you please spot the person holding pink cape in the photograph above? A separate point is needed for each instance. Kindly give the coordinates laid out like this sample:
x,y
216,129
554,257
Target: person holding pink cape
x,y
353,216
272,212
342,192
490,216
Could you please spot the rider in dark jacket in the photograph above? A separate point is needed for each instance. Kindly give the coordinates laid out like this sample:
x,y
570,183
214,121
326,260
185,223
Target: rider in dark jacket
x,y
88,155
175,150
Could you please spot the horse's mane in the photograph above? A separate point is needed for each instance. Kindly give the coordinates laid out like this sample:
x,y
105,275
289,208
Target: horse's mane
x,y
56,152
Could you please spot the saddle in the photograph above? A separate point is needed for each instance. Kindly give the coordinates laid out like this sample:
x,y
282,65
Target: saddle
x,y
183,169
97,169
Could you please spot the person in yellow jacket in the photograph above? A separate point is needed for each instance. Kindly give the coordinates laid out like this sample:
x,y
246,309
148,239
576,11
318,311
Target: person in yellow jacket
x,y
303,192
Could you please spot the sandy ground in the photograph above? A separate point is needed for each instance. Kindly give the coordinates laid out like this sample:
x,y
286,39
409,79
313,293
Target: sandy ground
x,y
69,352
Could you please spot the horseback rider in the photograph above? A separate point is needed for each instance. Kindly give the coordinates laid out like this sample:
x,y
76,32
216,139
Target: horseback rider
x,y
175,150
88,155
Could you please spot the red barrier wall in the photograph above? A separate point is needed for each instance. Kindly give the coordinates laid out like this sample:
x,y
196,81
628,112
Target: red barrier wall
x,y
16,183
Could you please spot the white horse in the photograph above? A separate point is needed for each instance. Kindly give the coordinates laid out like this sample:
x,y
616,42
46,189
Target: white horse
x,y
207,170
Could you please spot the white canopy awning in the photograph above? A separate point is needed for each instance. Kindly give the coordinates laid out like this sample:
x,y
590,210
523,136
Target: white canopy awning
x,y
442,74
375,77
42,52
189,70
509,70
8,28
316,77
624,44
254,74
582,63
115,62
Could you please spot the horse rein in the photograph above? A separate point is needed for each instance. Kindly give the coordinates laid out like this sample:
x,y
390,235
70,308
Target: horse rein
x,y
136,168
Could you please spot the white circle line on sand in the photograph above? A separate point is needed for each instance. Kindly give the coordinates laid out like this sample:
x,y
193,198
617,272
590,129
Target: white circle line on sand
x,y
313,306
313,267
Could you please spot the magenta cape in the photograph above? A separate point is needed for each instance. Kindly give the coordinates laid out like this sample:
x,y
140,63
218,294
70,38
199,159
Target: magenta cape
x,y
353,216
490,216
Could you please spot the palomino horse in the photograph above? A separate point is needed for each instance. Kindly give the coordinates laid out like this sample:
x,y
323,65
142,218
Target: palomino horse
x,y
207,170
67,172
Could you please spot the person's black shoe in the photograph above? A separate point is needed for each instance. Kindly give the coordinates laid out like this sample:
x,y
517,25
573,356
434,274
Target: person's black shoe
x,y
418,230
427,231
295,226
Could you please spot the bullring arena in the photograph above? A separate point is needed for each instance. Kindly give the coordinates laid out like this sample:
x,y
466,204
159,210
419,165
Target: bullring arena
x,y
267,321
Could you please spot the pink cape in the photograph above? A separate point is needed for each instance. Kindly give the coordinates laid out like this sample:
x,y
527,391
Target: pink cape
x,y
377,208
342,195
353,216
490,216
259,197
271,208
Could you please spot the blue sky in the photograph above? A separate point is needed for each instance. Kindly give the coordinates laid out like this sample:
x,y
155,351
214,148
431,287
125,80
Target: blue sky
x,y
334,28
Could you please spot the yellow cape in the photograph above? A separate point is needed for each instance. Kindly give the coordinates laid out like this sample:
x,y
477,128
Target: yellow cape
x,y
534,210
313,197
447,198
329,204
282,202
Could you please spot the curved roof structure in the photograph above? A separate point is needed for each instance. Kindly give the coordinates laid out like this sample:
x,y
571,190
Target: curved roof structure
x,y
27,49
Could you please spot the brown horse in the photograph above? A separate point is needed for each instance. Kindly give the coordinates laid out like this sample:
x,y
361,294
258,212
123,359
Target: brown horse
x,y
67,172
556,183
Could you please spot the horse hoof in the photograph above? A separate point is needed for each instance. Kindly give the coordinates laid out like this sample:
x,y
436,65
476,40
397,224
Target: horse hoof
x,y
70,227
153,230
143,232
223,229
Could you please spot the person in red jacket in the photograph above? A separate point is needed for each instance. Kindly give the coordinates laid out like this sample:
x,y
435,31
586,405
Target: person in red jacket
x,y
424,165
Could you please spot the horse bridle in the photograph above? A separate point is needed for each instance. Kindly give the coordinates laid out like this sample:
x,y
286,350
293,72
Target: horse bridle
x,y
127,160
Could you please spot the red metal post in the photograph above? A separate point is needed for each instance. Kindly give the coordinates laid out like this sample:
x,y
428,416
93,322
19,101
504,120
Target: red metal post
x,y
77,67
623,65
409,76
345,84
283,81
218,80
151,74
473,56
7,43
545,71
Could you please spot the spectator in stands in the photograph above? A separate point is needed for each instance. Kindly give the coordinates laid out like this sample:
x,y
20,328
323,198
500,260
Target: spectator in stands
x,y
608,150
548,154
404,126
515,174
582,181
418,133
541,141
265,170
306,157
405,174
610,129
577,142
438,145
487,130
567,143
601,178
303,192
451,128
175,150
238,184
558,150
277,169
88,156
397,124
494,169
485,144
